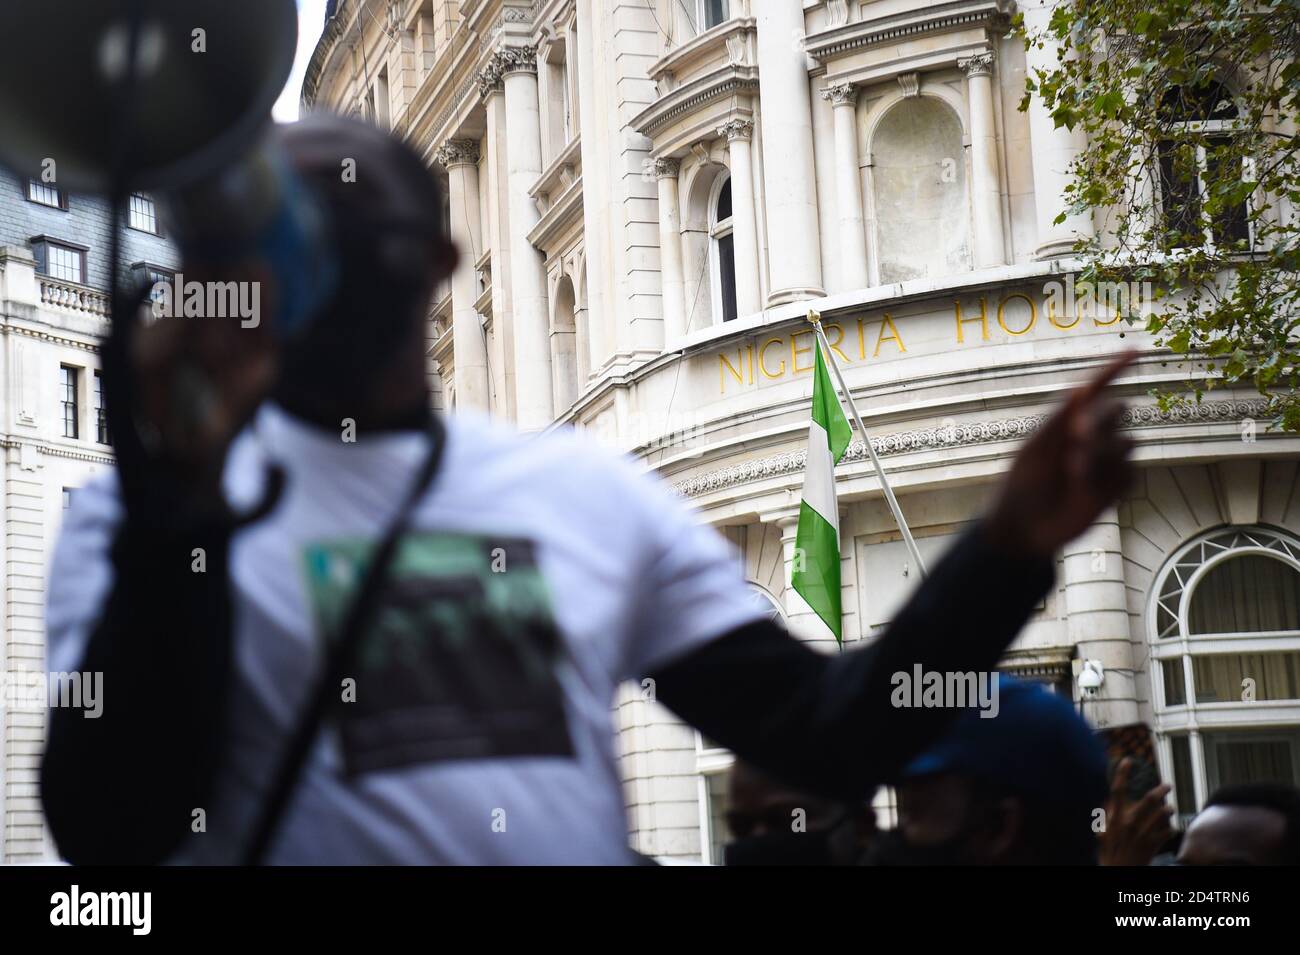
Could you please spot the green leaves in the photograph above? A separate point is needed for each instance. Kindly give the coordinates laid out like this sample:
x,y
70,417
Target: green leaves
x,y
1198,215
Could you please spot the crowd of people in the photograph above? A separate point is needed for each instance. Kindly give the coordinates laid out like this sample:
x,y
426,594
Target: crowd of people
x,y
1031,785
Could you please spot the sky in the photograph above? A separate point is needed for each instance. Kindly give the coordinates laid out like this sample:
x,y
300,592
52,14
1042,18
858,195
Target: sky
x,y
311,21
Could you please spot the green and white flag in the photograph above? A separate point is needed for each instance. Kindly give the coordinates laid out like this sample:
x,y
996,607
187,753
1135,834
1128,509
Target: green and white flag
x,y
816,573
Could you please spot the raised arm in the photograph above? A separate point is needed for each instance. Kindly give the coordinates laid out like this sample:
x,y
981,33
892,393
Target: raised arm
x,y
128,601
826,723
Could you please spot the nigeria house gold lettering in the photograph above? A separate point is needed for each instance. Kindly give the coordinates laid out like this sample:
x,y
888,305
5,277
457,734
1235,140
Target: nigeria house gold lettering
x,y
1013,315
738,366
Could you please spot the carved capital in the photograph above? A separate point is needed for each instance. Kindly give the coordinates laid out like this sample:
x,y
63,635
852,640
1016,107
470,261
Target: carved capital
x,y
489,79
981,64
737,129
842,94
517,59
667,168
457,152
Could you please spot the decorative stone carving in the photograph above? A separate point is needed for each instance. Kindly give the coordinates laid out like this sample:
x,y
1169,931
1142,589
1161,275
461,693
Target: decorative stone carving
x,y
910,83
667,168
841,94
959,435
520,14
837,13
981,64
737,55
489,79
457,152
736,129
517,59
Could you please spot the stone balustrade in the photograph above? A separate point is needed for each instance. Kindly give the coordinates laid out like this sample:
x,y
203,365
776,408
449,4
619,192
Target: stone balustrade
x,y
78,298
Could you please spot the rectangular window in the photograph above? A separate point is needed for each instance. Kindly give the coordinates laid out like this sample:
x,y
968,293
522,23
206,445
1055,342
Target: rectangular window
x,y
1175,686
380,101
714,12
1231,226
101,415
1246,677
1184,788
727,276
142,214
716,791
151,275
1180,195
68,399
1239,758
64,262
67,264
45,194
67,498
1186,171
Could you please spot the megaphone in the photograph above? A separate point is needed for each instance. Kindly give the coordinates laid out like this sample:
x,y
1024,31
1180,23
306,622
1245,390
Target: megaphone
x,y
171,97
142,94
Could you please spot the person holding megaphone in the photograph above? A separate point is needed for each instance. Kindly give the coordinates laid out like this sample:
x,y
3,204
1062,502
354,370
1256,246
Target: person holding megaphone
x,y
335,627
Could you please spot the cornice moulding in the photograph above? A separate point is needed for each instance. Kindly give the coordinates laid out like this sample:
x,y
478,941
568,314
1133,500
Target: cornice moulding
x,y
959,435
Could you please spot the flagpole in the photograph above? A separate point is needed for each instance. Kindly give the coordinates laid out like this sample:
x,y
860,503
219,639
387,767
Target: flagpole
x,y
815,320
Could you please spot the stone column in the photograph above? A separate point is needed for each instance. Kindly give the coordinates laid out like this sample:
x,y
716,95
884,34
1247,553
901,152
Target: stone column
x,y
1097,618
986,188
594,214
790,186
670,250
460,158
497,231
739,133
848,186
528,274
1053,149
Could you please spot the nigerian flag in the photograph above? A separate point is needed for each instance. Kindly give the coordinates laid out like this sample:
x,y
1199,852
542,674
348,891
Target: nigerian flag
x,y
816,574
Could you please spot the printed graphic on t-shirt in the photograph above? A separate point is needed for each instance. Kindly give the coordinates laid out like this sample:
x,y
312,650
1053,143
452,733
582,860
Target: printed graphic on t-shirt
x,y
460,661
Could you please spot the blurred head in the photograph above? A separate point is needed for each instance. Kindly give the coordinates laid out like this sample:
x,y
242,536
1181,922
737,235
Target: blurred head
x,y
1253,824
363,355
1017,788
772,824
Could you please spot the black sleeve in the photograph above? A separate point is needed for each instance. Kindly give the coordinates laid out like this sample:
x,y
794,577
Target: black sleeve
x,y
825,723
121,788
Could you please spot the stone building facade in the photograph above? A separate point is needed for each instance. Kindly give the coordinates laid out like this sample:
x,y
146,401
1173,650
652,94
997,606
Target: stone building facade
x,y
649,195
652,194
54,278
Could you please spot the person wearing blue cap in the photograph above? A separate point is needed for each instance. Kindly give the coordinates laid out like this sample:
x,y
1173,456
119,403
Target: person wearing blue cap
x,y
1016,784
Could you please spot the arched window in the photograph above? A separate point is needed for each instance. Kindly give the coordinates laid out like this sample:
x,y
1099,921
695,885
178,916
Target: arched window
x,y
722,250
918,175
1202,119
564,354
1226,661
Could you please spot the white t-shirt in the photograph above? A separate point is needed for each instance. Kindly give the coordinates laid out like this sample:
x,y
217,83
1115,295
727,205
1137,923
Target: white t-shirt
x,y
631,580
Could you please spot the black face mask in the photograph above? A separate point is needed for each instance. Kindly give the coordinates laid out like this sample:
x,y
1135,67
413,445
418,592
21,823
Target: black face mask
x,y
816,847
891,849
780,848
